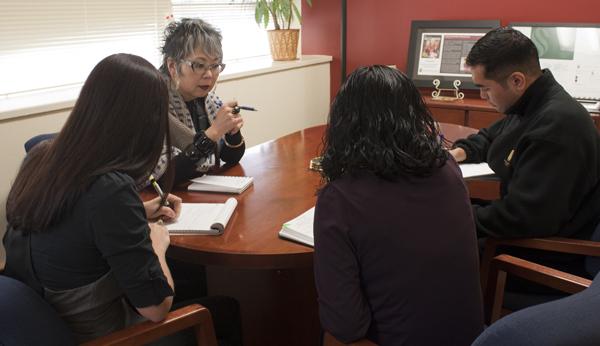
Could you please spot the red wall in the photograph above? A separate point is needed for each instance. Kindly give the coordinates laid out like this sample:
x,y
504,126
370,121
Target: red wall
x,y
379,30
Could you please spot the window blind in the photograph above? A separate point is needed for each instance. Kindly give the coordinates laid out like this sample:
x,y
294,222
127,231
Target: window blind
x,y
55,43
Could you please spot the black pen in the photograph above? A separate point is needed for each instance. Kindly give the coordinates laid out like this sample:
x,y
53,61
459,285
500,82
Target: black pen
x,y
161,194
237,109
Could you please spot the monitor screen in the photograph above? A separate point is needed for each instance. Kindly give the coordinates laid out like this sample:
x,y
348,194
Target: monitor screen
x,y
571,52
438,50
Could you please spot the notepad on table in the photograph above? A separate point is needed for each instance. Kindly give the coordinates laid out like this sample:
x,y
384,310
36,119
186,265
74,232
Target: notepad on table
x,y
203,218
471,170
300,228
220,183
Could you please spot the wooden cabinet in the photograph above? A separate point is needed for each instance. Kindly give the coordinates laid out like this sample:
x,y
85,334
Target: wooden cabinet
x,y
471,112
481,119
451,116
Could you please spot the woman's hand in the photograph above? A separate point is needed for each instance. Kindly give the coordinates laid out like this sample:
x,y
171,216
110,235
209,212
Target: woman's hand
x,y
155,211
239,125
159,235
225,122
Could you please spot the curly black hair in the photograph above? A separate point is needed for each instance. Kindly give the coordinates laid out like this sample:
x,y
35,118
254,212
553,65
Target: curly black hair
x,y
379,123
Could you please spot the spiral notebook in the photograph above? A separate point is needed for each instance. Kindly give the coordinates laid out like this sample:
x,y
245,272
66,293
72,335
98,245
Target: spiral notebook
x,y
220,183
203,218
300,229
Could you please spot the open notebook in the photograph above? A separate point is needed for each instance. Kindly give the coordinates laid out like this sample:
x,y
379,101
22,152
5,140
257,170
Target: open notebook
x,y
203,218
220,183
300,228
472,170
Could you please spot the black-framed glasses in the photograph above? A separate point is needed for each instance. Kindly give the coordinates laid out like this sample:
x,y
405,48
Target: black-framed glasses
x,y
201,68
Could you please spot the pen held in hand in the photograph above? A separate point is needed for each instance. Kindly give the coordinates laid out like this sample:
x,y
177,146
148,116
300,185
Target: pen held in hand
x,y
237,109
161,194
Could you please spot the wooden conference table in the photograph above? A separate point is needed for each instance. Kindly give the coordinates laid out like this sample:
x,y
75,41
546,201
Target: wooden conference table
x,y
272,278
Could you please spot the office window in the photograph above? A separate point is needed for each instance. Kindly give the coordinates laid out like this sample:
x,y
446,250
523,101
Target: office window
x,y
242,37
55,43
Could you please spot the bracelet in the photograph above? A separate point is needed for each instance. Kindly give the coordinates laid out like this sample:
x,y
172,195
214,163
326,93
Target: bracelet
x,y
233,145
201,147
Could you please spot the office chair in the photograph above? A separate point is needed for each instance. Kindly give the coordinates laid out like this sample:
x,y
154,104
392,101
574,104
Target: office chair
x,y
589,248
33,141
572,320
27,319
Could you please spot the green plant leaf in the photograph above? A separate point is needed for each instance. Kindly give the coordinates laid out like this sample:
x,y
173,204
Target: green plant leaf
x,y
297,13
278,9
258,13
265,15
286,12
282,12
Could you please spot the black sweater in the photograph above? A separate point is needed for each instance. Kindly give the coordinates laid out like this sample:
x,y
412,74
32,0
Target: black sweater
x,y
550,182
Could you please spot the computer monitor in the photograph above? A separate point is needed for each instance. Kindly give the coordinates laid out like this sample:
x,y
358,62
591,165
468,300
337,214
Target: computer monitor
x,y
438,50
571,52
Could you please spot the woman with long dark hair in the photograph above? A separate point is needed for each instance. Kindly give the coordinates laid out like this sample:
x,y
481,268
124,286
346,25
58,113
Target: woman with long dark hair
x,y
395,248
78,231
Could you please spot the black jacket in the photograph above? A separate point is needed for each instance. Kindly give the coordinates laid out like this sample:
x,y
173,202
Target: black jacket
x,y
546,152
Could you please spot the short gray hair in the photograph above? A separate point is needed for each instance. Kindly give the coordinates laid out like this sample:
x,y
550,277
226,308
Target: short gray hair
x,y
188,35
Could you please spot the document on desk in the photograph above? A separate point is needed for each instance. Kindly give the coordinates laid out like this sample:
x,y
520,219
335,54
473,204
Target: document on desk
x,y
203,218
472,170
220,183
300,228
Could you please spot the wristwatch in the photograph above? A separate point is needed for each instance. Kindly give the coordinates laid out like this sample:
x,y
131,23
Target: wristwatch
x,y
200,148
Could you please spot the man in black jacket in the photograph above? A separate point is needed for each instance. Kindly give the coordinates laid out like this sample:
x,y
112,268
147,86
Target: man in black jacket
x,y
546,150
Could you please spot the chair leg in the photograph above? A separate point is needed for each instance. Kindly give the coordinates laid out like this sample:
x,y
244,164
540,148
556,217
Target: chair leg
x,y
489,251
205,336
494,295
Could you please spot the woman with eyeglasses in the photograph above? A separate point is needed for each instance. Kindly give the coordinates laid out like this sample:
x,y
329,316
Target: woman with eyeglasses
x,y
204,130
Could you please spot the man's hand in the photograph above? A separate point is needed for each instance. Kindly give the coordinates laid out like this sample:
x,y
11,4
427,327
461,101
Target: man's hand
x,y
459,154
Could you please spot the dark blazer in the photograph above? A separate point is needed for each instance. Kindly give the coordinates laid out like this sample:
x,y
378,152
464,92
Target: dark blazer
x,y
546,152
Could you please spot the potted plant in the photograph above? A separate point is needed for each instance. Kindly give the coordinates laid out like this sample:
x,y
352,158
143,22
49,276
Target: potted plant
x,y
282,40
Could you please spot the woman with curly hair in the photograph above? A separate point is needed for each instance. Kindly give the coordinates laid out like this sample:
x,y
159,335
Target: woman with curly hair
x,y
395,249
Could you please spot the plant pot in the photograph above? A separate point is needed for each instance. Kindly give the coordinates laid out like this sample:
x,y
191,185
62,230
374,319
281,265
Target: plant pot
x,y
284,44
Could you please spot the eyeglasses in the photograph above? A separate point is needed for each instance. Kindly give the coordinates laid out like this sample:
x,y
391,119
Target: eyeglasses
x,y
201,68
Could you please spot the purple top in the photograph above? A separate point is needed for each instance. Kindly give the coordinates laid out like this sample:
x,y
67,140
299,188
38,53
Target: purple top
x,y
397,262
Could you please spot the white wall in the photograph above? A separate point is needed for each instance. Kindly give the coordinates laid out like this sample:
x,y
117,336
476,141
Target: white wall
x,y
288,100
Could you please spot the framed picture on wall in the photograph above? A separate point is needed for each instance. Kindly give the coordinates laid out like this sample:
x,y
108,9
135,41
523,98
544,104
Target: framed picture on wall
x,y
438,50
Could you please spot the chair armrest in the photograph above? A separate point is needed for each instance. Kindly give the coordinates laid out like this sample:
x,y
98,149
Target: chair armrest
x,y
556,244
540,274
505,264
193,315
330,340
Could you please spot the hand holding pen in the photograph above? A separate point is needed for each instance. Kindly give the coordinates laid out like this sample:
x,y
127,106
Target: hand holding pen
x,y
237,109
164,207
227,121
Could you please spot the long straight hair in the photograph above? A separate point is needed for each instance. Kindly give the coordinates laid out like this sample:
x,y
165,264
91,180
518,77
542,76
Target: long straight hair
x,y
119,123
